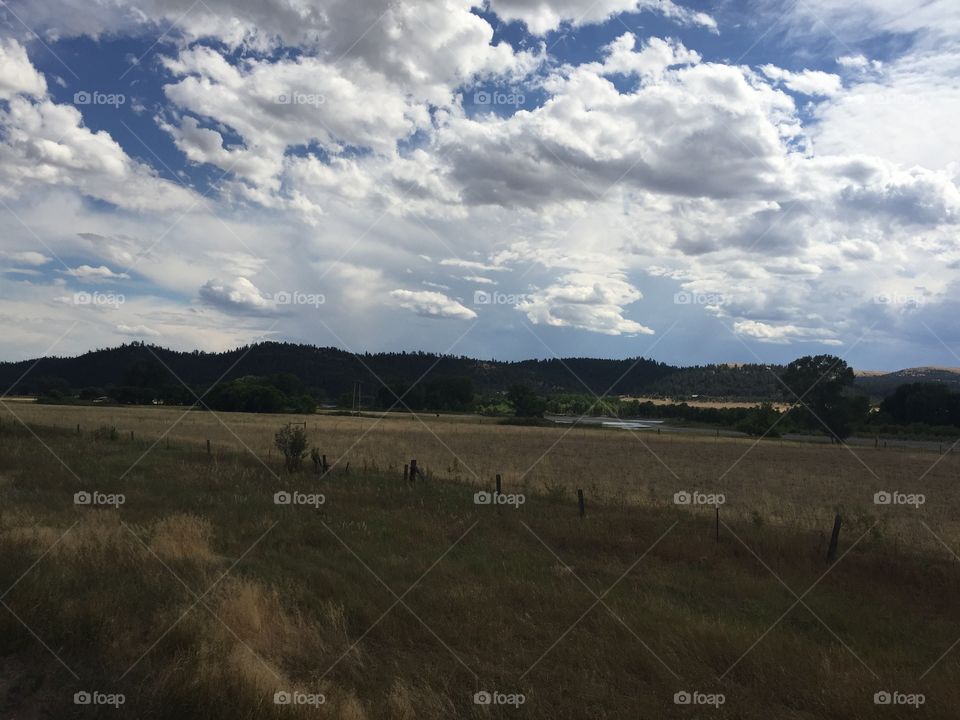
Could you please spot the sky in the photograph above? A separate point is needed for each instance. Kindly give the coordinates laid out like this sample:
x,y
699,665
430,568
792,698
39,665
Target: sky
x,y
690,181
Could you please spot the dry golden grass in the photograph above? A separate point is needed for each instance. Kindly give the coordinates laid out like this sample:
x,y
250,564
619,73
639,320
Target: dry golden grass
x,y
312,607
778,482
182,537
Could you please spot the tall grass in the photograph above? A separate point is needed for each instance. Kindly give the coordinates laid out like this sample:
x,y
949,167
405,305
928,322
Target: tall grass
x,y
200,597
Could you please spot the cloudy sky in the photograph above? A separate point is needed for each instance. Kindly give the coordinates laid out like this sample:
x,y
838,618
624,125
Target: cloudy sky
x,y
520,178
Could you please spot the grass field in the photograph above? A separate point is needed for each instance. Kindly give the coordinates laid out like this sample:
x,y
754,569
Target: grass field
x,y
199,596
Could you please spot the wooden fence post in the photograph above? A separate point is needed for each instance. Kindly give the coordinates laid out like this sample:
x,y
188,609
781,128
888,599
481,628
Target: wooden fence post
x,y
406,473
208,446
498,484
718,524
78,429
583,509
131,434
834,539
413,471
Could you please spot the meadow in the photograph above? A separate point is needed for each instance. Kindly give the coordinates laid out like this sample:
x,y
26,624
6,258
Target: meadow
x,y
200,596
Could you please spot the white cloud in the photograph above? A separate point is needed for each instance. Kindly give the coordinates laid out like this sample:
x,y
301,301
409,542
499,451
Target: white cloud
x,y
238,295
586,302
17,74
540,16
102,272
136,330
432,304
806,82
784,334
27,257
45,143
905,114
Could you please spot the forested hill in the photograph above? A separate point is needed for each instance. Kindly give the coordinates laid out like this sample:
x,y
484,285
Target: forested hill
x,y
329,373
326,372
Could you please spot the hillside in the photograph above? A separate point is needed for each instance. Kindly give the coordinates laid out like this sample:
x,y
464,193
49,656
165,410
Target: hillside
x,y
330,373
326,372
881,385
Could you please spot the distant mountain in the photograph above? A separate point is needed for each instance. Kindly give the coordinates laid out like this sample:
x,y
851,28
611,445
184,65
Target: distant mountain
x,y
880,385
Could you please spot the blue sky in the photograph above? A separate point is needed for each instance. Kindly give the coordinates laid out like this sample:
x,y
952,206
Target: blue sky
x,y
686,181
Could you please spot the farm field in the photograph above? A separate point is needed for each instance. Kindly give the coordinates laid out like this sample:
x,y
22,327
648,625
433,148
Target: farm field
x,y
392,600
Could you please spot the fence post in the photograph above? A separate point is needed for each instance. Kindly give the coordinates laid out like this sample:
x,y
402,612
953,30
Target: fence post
x,y
413,471
208,446
718,524
834,539
78,429
323,462
583,509
498,484
406,473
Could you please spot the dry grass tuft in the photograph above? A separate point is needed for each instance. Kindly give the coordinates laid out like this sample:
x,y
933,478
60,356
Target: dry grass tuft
x,y
183,537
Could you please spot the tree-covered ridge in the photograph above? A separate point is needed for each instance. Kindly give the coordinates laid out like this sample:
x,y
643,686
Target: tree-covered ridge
x,y
325,373
143,373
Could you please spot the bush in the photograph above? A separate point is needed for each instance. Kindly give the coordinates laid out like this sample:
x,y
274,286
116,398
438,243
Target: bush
x,y
292,442
105,432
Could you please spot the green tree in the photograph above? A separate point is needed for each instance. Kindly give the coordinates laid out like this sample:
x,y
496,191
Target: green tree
x,y
292,443
818,384
525,402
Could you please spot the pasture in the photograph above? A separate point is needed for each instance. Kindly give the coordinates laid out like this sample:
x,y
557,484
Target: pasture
x,y
199,595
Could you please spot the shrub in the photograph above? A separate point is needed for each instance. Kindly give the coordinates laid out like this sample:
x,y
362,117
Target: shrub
x,y
292,442
105,432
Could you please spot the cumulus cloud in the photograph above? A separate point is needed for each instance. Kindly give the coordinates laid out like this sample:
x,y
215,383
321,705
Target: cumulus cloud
x,y
806,82
17,74
699,130
238,295
784,334
432,304
46,143
586,302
